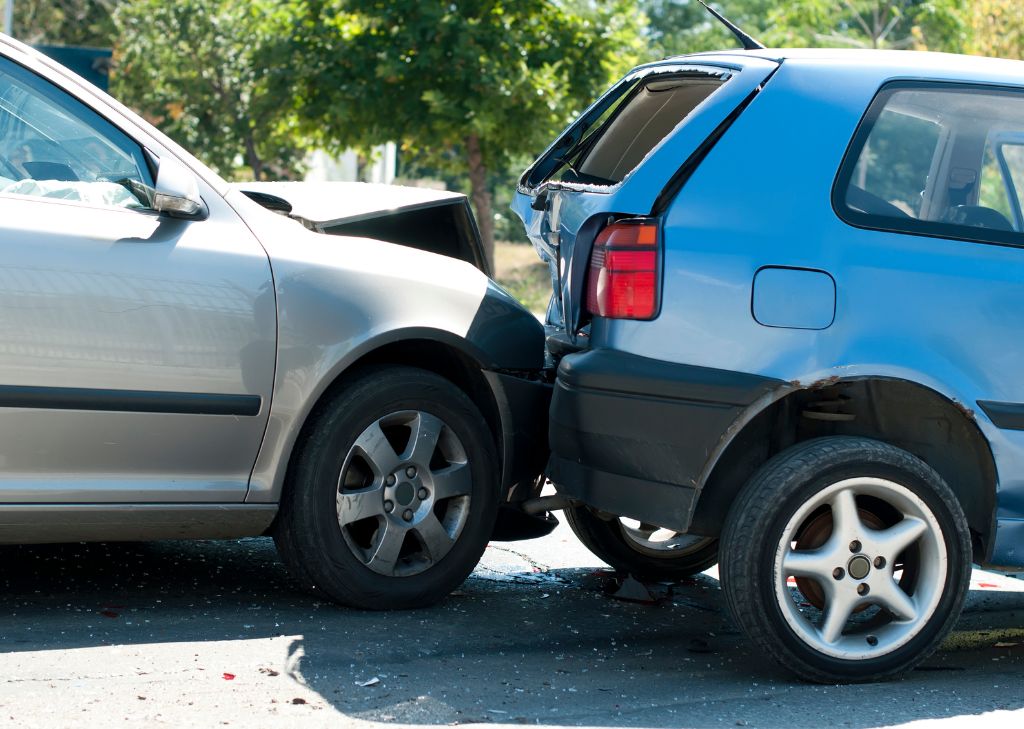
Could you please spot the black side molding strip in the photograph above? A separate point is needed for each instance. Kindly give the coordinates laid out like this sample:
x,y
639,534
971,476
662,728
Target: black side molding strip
x,y
129,401
1006,415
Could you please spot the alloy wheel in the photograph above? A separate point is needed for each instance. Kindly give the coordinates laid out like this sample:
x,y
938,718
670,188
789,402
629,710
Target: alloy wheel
x,y
403,493
874,588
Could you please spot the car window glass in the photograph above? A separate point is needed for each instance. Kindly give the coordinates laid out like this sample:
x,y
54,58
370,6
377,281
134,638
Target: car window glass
x,y
587,134
1012,161
895,161
993,193
614,136
930,158
53,146
653,110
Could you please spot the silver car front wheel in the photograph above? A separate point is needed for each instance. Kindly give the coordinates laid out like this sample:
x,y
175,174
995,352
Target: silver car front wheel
x,y
394,492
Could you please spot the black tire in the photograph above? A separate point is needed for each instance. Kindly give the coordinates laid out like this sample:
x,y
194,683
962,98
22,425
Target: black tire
x,y
334,560
608,541
885,486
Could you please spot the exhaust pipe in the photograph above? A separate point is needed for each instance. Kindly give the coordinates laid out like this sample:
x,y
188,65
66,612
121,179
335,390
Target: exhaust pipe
x,y
541,504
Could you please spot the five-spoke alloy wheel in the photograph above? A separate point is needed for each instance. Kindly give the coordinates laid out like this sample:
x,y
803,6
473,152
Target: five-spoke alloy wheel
x,y
846,559
394,492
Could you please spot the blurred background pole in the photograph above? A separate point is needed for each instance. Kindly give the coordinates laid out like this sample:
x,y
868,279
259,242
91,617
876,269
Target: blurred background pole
x,y
9,17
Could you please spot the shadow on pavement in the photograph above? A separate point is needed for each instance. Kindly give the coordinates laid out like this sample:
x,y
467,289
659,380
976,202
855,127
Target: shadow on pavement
x,y
549,648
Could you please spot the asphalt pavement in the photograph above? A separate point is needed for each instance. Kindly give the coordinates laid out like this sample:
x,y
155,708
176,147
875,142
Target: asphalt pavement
x,y
214,634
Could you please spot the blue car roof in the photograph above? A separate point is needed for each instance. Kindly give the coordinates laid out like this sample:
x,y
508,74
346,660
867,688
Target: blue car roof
x,y
883,63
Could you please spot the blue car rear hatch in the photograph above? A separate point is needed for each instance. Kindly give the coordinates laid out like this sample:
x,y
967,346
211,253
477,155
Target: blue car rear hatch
x,y
626,156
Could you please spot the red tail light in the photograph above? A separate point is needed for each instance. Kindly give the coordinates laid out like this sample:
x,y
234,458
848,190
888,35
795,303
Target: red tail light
x,y
623,280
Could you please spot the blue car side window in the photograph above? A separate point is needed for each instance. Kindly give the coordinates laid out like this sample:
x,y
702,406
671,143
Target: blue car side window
x,y
923,162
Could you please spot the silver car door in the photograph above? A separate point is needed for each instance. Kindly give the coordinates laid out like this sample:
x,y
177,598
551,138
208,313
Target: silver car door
x,y
136,350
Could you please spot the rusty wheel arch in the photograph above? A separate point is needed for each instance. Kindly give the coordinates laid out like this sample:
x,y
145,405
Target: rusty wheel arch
x,y
942,432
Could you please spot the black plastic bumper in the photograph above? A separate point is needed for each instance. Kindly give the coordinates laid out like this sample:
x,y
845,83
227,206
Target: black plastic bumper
x,y
523,408
631,435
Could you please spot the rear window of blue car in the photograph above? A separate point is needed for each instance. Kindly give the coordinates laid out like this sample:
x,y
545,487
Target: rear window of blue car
x,y
616,134
940,159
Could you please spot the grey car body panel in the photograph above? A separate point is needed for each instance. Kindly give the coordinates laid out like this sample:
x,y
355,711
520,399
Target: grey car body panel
x,y
381,293
56,523
116,301
196,349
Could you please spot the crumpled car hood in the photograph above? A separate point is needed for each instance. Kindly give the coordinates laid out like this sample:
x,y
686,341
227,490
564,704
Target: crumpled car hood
x,y
438,221
322,205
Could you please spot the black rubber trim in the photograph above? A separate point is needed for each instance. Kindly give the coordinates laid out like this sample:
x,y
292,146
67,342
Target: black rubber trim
x,y
665,504
129,401
514,525
268,201
1006,415
523,407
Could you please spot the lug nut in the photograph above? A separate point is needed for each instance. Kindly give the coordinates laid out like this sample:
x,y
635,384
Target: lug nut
x,y
839,573
879,563
389,506
410,472
854,546
422,493
407,514
872,641
390,481
863,589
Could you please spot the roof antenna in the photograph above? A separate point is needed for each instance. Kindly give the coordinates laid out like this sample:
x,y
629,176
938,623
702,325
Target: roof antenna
x,y
748,43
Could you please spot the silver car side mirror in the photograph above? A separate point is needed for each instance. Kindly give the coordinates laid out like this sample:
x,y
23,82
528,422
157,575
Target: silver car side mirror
x,y
177,192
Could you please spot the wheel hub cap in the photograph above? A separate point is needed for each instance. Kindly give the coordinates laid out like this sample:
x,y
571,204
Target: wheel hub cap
x,y
859,567
405,493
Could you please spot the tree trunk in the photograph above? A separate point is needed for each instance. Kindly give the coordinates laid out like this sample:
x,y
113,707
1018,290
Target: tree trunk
x,y
252,158
481,197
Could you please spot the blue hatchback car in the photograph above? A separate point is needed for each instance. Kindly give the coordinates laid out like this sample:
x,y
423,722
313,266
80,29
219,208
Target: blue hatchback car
x,y
788,317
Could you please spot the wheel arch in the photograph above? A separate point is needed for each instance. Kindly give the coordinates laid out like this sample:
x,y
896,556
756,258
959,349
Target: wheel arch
x,y
457,360
911,416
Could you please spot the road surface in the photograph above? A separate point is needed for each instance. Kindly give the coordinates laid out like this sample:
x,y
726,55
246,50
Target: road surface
x,y
214,634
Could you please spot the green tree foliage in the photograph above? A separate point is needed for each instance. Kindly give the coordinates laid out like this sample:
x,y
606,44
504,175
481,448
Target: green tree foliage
x,y
685,26
919,24
201,70
462,85
997,28
66,22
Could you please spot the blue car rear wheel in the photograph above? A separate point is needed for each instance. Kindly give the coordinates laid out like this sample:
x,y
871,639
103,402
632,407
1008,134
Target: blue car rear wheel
x,y
846,559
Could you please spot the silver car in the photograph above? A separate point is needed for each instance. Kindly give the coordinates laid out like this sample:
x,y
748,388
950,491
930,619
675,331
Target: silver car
x,y
180,358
